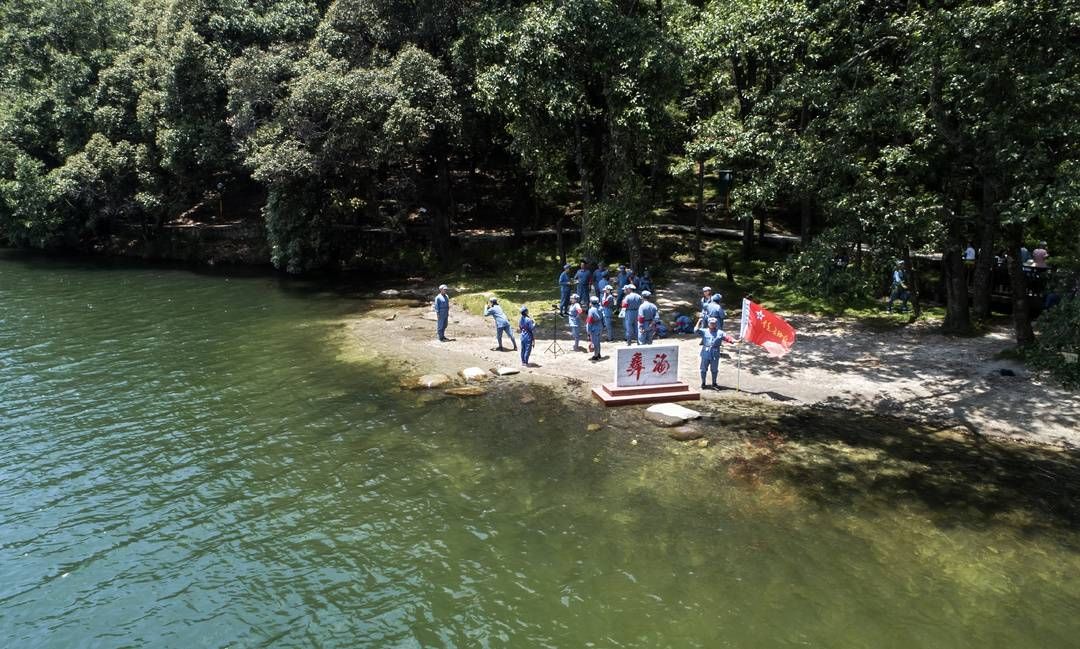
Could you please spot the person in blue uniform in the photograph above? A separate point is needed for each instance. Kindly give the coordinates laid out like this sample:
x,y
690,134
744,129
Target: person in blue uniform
x,y
574,320
502,323
648,318
712,339
607,310
442,312
599,278
715,310
706,298
564,289
645,283
620,279
527,328
594,324
583,277
631,278
630,304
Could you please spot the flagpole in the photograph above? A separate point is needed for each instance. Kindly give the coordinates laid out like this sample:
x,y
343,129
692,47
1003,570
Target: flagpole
x,y
738,365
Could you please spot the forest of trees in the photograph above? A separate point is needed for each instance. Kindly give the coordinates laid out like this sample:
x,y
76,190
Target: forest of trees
x,y
896,126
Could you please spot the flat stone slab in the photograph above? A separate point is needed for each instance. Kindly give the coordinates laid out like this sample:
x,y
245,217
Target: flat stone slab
x,y
467,391
433,381
670,414
473,374
507,371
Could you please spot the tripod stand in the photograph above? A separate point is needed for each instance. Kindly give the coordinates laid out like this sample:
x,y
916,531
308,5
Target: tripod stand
x,y
554,348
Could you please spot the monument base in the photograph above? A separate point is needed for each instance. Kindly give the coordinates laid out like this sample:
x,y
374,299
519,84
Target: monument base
x,y
611,395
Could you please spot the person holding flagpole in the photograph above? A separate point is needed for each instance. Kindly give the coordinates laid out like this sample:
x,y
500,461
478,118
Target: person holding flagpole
x,y
712,338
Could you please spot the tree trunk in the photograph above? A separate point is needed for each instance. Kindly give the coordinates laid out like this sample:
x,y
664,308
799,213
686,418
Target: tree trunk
x,y
700,219
633,247
984,263
560,240
443,213
805,219
748,237
1018,283
586,196
957,315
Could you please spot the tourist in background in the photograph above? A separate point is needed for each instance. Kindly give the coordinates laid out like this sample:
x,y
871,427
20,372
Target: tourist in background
x,y
899,287
1039,255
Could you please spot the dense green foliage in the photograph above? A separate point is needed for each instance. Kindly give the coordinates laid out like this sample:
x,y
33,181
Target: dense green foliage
x,y
1059,334
900,127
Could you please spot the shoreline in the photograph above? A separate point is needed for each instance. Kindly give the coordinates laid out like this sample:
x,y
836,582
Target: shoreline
x,y
911,374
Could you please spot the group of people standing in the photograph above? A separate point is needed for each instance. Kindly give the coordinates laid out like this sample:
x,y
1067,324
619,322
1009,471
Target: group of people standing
x,y
641,317
630,293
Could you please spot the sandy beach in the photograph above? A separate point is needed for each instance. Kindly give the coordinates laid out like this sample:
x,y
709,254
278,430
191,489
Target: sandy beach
x,y
911,372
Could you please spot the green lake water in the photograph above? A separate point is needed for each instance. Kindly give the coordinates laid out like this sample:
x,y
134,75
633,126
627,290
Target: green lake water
x,y
190,460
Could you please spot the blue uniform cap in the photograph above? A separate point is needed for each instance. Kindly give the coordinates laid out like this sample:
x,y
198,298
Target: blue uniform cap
x,y
717,297
594,300
524,309
565,266
645,294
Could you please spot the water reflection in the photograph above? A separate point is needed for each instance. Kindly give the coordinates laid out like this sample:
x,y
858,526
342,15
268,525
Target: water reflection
x,y
191,463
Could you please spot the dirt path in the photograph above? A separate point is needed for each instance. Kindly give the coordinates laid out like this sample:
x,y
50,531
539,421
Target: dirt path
x,y
909,372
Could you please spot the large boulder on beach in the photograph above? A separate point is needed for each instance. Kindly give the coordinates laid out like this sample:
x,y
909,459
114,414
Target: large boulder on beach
x,y
686,433
433,381
471,374
670,414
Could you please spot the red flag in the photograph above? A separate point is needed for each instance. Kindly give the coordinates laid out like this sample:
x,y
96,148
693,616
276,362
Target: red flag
x,y
765,328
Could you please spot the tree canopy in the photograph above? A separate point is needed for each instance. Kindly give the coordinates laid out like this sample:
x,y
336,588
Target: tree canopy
x,y
904,127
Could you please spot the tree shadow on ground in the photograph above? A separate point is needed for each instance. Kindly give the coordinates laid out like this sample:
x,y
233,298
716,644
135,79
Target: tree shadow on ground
x,y
849,458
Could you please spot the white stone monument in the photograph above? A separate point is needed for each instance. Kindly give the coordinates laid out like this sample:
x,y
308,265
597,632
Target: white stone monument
x,y
645,374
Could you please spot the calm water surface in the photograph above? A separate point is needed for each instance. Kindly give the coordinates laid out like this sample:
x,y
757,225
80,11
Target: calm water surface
x,y
187,461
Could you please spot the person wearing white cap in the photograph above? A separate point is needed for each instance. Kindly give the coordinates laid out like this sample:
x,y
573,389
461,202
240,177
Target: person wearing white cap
x,y
648,319
631,302
502,323
594,324
574,320
442,312
706,298
712,339
564,289
607,306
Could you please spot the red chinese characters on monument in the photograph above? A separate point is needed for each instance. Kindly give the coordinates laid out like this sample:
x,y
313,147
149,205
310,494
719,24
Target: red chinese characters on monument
x,y
655,365
635,367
